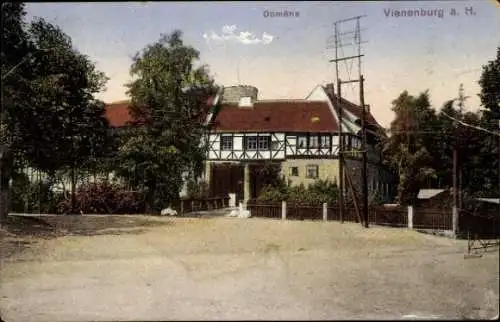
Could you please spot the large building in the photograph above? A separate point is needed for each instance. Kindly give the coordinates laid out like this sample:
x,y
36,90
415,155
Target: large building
x,y
298,136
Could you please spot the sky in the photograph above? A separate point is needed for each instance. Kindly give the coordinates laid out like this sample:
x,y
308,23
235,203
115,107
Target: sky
x,y
286,57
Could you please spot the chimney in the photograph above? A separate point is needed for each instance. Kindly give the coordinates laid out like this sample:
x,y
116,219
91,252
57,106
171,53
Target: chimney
x,y
245,102
330,89
367,108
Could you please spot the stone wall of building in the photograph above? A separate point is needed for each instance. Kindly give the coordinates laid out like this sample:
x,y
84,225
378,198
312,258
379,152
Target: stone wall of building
x,y
328,169
233,94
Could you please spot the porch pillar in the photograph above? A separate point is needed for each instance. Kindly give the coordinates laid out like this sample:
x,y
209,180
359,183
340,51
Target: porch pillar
x,y
246,183
208,172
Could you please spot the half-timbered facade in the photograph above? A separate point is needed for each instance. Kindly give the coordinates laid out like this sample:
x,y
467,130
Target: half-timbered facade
x,y
301,136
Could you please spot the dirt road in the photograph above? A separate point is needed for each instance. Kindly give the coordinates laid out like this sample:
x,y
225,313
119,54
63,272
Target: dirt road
x,y
228,268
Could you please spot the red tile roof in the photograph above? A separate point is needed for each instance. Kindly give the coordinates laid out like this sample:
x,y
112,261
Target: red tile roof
x,y
118,113
276,116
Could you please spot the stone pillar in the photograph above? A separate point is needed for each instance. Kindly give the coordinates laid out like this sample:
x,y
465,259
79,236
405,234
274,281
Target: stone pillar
x,y
246,183
325,212
410,217
283,210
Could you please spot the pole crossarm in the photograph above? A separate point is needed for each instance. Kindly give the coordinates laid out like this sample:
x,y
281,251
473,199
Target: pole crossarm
x,y
345,58
349,19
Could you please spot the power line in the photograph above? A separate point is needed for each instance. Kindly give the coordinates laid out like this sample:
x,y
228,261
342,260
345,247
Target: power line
x,y
471,126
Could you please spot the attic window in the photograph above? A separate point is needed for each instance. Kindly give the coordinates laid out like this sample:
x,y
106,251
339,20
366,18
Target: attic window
x,y
267,118
315,119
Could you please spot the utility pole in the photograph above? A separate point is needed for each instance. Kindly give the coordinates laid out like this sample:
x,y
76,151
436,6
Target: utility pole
x,y
457,171
339,108
341,137
341,152
364,150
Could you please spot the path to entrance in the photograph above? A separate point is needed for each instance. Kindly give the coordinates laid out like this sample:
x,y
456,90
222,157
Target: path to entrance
x,y
151,268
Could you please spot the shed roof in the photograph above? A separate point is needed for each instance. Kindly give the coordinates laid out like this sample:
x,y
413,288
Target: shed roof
x,y
489,200
429,193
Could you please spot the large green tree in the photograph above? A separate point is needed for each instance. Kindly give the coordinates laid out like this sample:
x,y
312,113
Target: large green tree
x,y
15,57
169,99
77,133
406,147
490,116
52,120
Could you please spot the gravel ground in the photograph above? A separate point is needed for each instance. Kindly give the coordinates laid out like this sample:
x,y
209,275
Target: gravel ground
x,y
152,268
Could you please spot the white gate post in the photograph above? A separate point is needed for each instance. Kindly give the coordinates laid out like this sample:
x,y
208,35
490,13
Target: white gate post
x,y
455,220
410,217
283,210
325,211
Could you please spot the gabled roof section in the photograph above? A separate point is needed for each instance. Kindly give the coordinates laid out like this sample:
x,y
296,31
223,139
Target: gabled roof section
x,y
354,112
320,93
354,109
276,116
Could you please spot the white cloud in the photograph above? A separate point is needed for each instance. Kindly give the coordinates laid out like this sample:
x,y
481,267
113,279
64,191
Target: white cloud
x,y
244,37
229,29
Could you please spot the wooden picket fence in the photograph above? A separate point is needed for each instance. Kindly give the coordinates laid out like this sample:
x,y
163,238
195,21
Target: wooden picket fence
x,y
201,204
377,215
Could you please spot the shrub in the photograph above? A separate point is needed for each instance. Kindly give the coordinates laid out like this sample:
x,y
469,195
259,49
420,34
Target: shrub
x,y
317,193
32,197
104,198
197,189
272,194
375,199
325,191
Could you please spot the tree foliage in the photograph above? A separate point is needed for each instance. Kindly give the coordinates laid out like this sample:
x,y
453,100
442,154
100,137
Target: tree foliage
x,y
50,118
422,142
169,96
406,148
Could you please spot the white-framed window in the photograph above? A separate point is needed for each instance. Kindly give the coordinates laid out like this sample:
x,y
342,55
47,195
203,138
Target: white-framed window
x,y
312,171
251,143
264,142
258,143
226,142
302,142
294,171
325,141
313,141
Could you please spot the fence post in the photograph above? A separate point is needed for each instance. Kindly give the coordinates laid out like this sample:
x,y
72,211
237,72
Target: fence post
x,y
455,221
283,210
325,211
410,217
